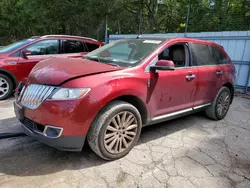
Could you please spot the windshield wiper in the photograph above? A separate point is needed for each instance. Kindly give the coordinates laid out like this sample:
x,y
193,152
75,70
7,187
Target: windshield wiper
x,y
93,58
113,64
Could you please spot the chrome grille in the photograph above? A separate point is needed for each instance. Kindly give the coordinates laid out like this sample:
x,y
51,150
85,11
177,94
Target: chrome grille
x,y
35,94
21,93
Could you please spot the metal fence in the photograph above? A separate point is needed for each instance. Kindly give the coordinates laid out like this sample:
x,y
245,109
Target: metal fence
x,y
236,44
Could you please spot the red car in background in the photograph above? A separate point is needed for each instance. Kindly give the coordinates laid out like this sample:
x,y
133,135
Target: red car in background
x,y
18,59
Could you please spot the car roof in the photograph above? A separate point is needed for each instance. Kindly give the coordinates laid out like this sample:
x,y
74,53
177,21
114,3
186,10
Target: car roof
x,y
174,38
64,37
155,37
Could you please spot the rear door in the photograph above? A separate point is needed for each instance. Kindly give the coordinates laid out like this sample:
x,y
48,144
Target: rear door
x,y
38,51
225,72
73,48
209,76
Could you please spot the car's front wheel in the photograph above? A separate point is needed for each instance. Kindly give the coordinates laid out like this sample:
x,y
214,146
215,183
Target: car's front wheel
x,y
219,108
115,130
6,87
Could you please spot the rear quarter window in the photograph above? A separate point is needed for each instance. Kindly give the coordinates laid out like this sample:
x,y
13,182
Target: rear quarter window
x,y
218,56
91,46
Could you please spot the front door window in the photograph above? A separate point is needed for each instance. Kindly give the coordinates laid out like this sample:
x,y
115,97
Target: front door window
x,y
45,47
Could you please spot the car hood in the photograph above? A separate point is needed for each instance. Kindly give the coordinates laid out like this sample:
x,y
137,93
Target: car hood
x,y
55,71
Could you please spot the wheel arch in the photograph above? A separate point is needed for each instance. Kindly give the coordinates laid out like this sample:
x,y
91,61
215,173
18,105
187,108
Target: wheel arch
x,y
231,88
133,100
138,103
10,75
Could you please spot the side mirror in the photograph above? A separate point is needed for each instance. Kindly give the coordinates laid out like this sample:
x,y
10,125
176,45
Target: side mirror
x,y
26,53
165,65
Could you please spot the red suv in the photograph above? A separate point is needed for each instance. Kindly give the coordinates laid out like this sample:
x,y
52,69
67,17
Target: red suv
x,y
17,60
111,93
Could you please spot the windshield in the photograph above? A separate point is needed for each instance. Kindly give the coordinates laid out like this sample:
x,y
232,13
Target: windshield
x,y
126,52
15,45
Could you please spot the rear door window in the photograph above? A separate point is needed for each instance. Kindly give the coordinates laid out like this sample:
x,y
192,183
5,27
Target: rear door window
x,y
217,56
200,54
72,46
91,46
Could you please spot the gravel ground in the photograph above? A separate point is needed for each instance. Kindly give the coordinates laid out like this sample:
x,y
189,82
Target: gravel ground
x,y
189,152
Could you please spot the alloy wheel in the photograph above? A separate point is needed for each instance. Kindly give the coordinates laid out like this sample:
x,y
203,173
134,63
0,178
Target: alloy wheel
x,y
223,104
4,87
120,132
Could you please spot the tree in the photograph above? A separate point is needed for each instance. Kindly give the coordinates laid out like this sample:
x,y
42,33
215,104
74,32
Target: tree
x,y
24,18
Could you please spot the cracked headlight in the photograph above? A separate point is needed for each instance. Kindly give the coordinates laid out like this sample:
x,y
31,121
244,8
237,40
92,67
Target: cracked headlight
x,y
69,93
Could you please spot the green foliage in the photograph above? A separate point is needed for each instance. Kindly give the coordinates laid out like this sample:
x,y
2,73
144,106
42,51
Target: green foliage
x,y
24,18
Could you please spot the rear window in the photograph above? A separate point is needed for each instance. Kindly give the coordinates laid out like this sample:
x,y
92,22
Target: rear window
x,y
217,56
91,46
201,54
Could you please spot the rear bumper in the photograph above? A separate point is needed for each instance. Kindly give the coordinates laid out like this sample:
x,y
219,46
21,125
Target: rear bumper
x,y
65,143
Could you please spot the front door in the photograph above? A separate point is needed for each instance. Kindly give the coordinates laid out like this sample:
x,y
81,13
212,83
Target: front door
x,y
38,52
173,91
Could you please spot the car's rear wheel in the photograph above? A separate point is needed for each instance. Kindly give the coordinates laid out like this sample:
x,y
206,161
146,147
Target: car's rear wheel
x,y
115,130
6,87
219,108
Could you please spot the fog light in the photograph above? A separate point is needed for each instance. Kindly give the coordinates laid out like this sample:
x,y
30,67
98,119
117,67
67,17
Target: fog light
x,y
52,132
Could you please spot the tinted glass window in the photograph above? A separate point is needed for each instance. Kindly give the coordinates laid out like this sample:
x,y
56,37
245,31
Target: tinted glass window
x,y
175,53
121,51
201,54
73,46
218,57
91,46
15,45
45,47
16,54
125,52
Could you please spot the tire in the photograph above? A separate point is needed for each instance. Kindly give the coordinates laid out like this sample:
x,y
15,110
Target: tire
x,y
213,111
100,129
6,87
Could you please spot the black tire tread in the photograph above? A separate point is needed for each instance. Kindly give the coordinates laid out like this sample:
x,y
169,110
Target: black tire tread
x,y
211,111
11,86
95,128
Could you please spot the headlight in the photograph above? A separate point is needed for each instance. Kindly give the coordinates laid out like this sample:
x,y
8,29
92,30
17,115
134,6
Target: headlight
x,y
69,93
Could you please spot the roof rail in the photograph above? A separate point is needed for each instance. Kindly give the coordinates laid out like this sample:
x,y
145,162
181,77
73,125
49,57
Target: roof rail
x,y
70,36
33,37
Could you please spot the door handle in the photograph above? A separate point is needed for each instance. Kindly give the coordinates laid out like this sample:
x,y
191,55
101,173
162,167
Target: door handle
x,y
219,72
190,77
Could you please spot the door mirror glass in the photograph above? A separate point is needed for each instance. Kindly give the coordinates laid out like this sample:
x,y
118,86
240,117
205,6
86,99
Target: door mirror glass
x,y
26,53
163,65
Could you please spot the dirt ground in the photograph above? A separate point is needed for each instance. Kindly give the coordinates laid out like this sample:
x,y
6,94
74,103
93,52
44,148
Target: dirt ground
x,y
189,152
